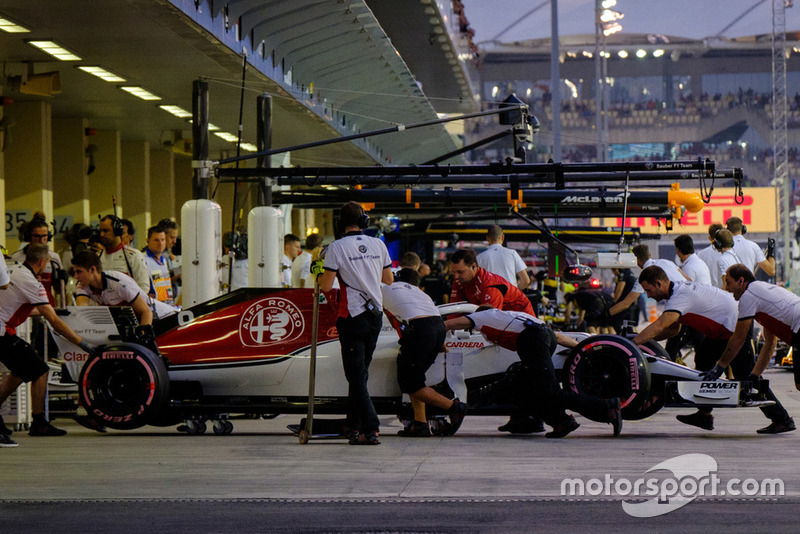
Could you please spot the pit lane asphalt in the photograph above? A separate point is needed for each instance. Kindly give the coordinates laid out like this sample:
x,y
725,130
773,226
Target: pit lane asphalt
x,y
259,479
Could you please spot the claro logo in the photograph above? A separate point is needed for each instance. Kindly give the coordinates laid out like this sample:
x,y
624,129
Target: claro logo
x,y
269,321
70,356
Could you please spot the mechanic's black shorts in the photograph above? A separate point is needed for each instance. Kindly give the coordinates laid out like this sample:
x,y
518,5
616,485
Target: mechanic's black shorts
x,y
421,342
20,358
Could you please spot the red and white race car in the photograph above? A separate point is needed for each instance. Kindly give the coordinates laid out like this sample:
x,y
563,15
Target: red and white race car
x,y
248,352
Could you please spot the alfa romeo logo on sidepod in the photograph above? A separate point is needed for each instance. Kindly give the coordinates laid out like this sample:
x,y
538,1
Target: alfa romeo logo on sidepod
x,y
270,320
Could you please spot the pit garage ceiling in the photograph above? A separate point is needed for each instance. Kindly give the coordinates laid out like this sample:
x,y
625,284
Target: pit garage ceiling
x,y
328,65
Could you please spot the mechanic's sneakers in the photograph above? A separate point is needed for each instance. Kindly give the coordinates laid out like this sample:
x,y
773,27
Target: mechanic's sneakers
x,y
6,441
523,425
417,429
45,429
698,419
87,422
562,429
615,415
4,430
370,438
778,427
457,412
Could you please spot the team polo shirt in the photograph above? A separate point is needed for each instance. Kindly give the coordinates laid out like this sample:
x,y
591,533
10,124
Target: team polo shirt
x,y
500,260
710,257
776,308
115,260
4,276
726,259
492,289
669,268
705,308
119,289
502,327
404,302
696,269
46,276
23,294
359,261
749,252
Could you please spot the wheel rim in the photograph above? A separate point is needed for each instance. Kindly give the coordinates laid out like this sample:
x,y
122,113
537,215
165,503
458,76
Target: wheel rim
x,y
604,377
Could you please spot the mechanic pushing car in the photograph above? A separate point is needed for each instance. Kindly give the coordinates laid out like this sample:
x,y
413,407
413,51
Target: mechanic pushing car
x,y
778,310
535,342
713,312
360,263
419,325
24,294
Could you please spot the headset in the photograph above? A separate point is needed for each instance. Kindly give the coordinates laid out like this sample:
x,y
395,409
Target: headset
x,y
28,229
718,244
116,224
362,221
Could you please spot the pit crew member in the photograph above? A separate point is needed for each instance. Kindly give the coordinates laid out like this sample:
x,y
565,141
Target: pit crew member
x,y
750,253
422,334
478,286
24,294
713,313
113,288
778,310
40,233
360,263
535,342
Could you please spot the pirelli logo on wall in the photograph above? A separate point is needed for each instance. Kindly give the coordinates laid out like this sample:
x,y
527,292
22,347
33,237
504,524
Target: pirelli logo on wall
x,y
757,210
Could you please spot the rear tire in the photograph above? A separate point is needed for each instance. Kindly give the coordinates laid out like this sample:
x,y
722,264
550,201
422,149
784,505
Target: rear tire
x,y
609,366
125,386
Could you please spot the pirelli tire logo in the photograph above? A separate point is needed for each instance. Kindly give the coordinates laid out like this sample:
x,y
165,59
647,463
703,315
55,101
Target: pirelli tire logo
x,y
269,321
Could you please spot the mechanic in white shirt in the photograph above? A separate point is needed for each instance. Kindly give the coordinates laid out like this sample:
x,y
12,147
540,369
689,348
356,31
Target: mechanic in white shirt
x,y
113,288
422,333
361,263
714,313
643,259
710,255
535,342
291,249
750,253
301,266
22,294
723,242
504,261
693,267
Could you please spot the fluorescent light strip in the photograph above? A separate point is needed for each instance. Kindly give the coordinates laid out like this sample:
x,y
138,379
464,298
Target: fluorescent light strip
x,y
227,136
177,111
250,147
55,50
144,94
101,73
11,27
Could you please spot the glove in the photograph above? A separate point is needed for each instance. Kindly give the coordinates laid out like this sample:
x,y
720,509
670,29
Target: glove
x,y
714,373
753,379
316,267
770,248
88,347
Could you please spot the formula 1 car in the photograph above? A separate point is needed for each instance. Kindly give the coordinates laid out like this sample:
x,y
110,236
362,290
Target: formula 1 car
x,y
247,353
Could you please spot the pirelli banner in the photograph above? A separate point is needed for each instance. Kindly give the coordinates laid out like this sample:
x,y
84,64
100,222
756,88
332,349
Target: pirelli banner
x,y
757,210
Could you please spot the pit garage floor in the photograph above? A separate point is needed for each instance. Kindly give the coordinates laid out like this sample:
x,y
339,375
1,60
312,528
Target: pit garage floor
x,y
260,479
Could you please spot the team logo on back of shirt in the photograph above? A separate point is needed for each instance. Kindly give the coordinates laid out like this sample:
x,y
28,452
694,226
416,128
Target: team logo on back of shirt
x,y
362,248
269,321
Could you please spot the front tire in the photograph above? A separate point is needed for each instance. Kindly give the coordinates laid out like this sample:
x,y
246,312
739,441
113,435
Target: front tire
x,y
609,366
125,386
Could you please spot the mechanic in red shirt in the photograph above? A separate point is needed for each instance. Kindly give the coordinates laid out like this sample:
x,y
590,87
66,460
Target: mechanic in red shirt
x,y
535,342
478,286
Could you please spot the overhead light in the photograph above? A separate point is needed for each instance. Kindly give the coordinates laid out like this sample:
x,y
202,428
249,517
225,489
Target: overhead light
x,y
623,54
140,92
211,127
55,50
658,53
641,53
227,136
177,111
612,28
250,147
12,27
101,73
608,3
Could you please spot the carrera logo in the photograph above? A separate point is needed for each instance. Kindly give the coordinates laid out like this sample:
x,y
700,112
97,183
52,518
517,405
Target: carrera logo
x,y
270,320
464,344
